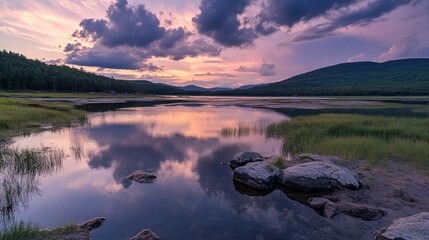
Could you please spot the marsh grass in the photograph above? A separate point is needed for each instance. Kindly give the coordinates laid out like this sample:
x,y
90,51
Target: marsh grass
x,y
31,231
21,231
279,162
373,138
20,170
242,131
20,116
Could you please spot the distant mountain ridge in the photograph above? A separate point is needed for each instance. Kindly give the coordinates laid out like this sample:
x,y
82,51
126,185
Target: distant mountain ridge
x,y
397,77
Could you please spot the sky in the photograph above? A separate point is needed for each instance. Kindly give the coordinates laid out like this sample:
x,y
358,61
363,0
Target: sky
x,y
210,43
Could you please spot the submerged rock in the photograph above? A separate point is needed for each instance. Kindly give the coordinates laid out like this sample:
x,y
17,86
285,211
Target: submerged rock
x,y
363,212
415,227
258,175
142,177
319,176
330,209
145,235
244,158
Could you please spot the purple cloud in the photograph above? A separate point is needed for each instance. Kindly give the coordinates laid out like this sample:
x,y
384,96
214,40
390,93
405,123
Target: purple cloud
x,y
129,37
218,19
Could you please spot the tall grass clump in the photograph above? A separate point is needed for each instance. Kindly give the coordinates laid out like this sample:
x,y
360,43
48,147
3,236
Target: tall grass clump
x,y
373,138
21,231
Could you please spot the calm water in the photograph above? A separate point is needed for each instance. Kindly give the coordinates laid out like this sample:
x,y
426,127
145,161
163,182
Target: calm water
x,y
194,196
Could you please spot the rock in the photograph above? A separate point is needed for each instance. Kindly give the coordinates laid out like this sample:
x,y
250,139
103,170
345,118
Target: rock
x,y
243,158
145,235
318,203
363,212
415,227
258,175
324,206
331,209
75,231
319,176
142,177
92,224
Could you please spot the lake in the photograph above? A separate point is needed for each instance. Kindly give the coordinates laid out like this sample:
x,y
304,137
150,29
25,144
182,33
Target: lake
x,y
194,197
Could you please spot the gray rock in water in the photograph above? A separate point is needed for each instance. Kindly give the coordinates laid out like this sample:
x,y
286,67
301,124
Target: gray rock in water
x,y
319,176
92,224
244,158
145,235
142,177
258,175
415,227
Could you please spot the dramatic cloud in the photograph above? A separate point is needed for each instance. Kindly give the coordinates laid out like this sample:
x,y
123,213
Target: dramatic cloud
x,y
290,12
99,56
129,37
361,16
408,47
219,20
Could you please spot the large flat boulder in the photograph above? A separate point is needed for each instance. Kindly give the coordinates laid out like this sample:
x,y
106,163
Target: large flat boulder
x,y
257,175
244,158
319,176
415,227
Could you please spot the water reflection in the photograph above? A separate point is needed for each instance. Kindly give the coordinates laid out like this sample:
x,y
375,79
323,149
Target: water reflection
x,y
20,170
194,196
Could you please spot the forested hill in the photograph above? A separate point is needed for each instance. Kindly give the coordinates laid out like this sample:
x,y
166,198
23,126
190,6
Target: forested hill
x,y
19,73
399,77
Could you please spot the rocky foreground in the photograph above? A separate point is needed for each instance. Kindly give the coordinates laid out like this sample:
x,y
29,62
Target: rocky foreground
x,y
330,188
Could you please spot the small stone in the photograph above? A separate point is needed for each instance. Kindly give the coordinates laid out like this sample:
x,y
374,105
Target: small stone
x,y
331,209
145,235
363,212
318,203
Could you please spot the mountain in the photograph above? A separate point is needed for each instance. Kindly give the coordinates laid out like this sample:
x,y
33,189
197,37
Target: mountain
x,y
398,77
244,87
19,73
201,89
158,88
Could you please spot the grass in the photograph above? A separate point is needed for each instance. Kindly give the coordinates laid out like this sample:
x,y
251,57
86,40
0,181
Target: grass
x,y
357,137
31,231
41,94
279,162
20,116
20,171
241,131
